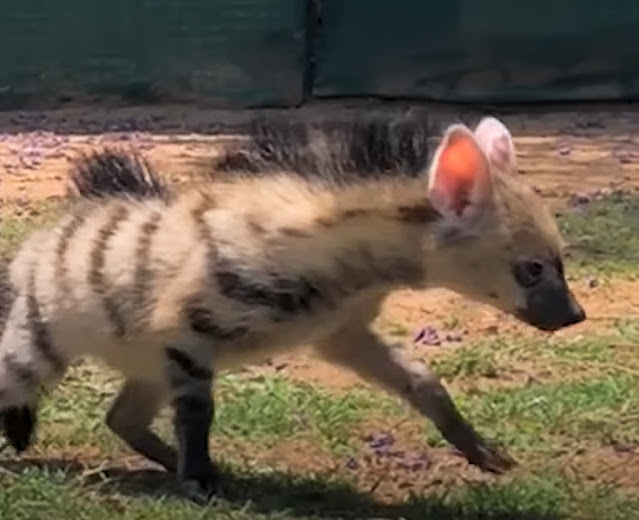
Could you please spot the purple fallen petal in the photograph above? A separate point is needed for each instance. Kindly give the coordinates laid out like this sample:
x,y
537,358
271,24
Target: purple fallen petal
x,y
382,440
420,335
625,158
352,463
415,462
593,123
382,451
622,447
412,465
428,336
581,199
454,336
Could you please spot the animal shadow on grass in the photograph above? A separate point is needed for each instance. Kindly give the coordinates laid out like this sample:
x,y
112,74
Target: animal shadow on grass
x,y
276,493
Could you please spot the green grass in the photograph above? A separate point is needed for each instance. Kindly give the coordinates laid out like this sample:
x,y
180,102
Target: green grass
x,y
610,350
548,417
604,235
551,415
41,494
467,362
15,227
262,410
275,408
572,390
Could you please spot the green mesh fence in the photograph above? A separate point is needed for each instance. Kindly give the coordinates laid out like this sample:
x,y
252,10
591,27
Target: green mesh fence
x,y
479,50
244,53
229,52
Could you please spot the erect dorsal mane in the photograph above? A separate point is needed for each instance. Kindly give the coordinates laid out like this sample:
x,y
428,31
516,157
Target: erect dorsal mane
x,y
370,145
115,173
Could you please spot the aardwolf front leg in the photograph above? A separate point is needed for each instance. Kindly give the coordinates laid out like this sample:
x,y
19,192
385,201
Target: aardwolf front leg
x,y
359,349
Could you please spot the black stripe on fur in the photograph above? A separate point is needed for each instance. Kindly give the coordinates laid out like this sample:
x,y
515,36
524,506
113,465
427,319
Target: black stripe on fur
x,y
115,173
338,150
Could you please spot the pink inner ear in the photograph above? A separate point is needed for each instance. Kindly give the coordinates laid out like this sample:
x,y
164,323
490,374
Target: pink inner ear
x,y
460,171
497,143
500,155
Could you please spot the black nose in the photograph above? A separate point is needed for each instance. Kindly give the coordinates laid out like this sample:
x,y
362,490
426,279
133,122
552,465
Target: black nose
x,y
552,311
577,317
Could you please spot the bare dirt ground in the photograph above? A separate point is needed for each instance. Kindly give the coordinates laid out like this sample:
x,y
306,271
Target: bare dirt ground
x,y
564,154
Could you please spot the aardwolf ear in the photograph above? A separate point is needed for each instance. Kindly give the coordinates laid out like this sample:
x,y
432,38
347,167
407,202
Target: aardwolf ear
x,y
497,143
459,177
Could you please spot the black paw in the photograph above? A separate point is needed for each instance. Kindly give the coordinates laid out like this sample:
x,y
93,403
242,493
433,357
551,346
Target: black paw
x,y
491,457
487,455
201,485
18,425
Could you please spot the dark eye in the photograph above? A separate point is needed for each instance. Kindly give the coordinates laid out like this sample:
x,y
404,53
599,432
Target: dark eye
x,y
528,273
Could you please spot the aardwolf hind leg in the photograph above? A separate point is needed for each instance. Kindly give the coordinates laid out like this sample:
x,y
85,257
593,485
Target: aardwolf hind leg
x,y
130,417
358,349
191,382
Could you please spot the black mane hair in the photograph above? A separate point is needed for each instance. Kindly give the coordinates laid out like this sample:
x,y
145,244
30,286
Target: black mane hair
x,y
337,151
359,146
114,172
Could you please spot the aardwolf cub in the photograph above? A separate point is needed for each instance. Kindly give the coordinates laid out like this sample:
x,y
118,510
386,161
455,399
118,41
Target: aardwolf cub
x,y
301,248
